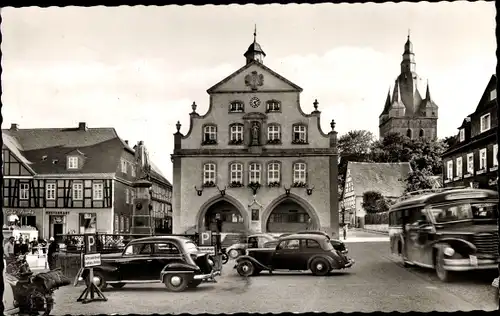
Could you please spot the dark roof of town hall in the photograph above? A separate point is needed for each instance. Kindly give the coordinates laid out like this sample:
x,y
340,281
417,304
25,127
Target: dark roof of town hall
x,y
386,178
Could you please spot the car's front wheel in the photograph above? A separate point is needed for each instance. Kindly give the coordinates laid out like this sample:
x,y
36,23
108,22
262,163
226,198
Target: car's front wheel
x,y
99,280
176,282
245,268
320,267
441,272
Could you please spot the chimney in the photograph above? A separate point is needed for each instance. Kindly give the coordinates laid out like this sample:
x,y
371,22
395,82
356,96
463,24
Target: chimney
x,y
126,142
82,126
14,126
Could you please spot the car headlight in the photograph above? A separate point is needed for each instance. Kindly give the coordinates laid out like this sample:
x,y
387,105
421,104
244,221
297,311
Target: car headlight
x,y
449,251
210,262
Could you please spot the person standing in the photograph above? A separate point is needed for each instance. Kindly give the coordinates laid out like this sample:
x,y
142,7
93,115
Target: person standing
x,y
52,253
34,245
344,231
8,249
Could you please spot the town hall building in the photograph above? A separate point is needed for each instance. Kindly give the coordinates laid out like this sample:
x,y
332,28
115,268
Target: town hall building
x,y
255,159
407,112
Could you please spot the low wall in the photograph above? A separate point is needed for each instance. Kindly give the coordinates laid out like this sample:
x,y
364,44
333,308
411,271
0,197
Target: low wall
x,y
377,227
69,263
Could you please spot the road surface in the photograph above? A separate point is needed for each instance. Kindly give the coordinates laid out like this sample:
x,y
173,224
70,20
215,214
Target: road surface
x,y
377,282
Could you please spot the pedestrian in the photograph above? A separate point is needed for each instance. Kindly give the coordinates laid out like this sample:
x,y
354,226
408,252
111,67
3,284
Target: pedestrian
x,y
52,253
344,230
8,249
34,245
24,248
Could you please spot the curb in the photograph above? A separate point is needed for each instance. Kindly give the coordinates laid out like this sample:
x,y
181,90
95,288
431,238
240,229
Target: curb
x,y
373,231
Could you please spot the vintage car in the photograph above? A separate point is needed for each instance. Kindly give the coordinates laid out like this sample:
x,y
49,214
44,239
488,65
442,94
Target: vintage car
x,y
251,241
172,260
298,252
336,243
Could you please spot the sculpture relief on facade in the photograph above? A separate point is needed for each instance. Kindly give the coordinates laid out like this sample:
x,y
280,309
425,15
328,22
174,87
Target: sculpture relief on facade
x,y
254,80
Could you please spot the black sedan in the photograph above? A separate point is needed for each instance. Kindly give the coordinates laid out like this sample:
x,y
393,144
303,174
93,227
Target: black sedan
x,y
336,243
298,252
172,260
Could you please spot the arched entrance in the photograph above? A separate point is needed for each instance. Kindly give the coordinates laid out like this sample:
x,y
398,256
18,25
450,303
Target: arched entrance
x,y
234,220
288,214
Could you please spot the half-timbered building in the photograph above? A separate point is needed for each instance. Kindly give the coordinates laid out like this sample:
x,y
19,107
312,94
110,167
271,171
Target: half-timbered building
x,y
68,180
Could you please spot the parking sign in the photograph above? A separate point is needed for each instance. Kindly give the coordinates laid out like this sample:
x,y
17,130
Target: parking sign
x,y
206,238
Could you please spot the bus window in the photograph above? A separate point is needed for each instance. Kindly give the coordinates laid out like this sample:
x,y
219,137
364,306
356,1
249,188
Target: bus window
x,y
396,218
465,211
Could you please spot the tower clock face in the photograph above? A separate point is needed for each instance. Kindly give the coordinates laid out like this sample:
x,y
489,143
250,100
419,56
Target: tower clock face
x,y
254,102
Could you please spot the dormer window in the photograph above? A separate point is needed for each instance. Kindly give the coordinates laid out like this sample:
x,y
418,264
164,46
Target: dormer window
x,y
273,106
485,122
72,162
493,94
236,107
461,135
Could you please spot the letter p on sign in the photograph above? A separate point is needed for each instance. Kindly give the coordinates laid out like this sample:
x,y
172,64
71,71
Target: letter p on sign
x,y
90,244
206,238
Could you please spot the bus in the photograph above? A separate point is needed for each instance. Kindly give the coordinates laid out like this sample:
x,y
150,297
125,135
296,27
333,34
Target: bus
x,y
448,230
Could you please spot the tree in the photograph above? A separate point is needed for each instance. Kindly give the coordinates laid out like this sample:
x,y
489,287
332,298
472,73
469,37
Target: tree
x,y
355,142
370,200
353,146
419,180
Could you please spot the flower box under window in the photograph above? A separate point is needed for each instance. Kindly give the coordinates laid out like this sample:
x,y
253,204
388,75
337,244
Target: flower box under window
x,y
274,184
274,141
254,184
494,168
236,142
299,141
209,184
447,181
456,178
481,171
209,142
299,184
467,175
235,184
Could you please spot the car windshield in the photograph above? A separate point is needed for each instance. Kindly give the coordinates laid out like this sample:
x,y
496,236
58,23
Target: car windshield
x,y
191,247
465,211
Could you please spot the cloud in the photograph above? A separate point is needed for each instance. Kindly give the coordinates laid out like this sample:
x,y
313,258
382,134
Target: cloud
x,y
144,98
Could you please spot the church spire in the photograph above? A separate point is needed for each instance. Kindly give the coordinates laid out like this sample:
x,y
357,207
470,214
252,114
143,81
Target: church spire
x,y
427,92
408,63
254,51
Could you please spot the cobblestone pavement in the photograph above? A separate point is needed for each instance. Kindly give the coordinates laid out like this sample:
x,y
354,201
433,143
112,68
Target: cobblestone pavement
x,y
377,282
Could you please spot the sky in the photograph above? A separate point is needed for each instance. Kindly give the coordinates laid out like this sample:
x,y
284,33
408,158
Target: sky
x,y
139,69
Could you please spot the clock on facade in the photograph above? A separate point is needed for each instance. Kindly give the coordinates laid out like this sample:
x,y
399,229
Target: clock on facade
x,y
254,102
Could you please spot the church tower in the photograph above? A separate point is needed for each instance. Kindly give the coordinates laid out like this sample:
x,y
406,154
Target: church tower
x,y
407,112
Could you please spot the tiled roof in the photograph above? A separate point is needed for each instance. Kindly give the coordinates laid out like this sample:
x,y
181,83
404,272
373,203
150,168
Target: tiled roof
x,y
386,178
103,157
156,173
38,148
38,138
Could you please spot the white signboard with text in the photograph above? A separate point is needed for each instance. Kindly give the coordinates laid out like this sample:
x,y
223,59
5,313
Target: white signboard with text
x,y
207,249
92,260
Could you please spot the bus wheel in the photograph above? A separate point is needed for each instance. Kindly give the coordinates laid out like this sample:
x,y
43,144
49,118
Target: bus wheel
x,y
441,273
